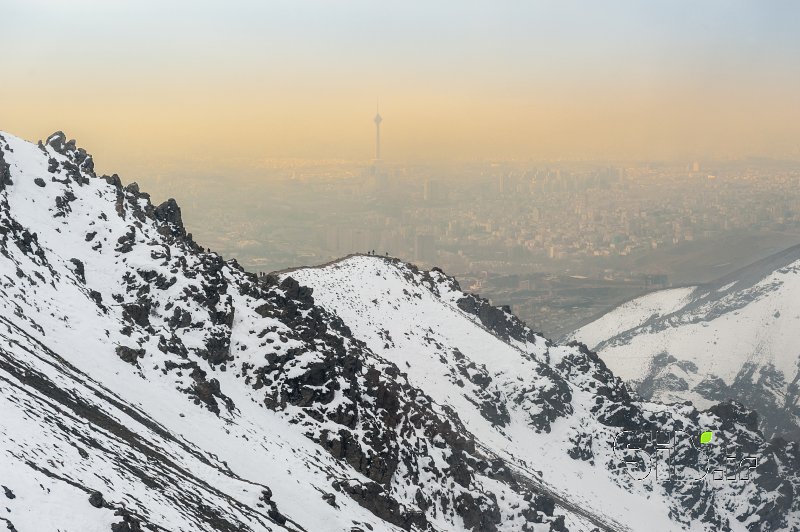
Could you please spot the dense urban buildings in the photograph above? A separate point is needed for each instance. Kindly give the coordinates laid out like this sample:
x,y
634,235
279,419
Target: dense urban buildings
x,y
558,241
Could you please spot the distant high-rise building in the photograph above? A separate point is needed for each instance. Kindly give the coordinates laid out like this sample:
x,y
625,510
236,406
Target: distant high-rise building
x,y
429,191
505,183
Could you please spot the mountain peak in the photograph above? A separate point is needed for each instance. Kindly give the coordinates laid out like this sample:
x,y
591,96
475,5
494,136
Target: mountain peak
x,y
58,140
735,337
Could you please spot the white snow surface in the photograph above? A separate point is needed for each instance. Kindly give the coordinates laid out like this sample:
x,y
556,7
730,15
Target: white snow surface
x,y
743,332
49,326
416,323
633,313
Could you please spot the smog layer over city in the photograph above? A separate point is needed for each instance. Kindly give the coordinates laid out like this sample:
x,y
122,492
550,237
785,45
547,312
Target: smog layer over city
x,y
556,158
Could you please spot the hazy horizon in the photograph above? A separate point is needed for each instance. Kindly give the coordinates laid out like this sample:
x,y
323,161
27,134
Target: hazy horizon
x,y
143,85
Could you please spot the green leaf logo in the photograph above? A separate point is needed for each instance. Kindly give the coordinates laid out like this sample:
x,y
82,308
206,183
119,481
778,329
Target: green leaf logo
x,y
706,437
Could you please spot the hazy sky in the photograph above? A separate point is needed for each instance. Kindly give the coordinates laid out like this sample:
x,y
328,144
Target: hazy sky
x,y
166,82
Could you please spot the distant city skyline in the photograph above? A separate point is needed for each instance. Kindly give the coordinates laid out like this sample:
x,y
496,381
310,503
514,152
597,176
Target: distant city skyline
x,y
151,85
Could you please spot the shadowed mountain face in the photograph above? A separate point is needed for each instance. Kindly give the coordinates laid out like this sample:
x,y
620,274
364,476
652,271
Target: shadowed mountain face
x,y
735,338
148,384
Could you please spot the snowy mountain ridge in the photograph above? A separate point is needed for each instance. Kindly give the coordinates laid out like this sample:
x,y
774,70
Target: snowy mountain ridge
x,y
148,384
734,338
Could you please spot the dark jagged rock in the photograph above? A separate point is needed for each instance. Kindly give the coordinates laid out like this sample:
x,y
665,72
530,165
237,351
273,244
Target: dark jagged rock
x,y
96,499
5,171
138,313
97,297
476,513
272,512
373,497
85,162
170,213
733,413
57,141
127,241
80,270
113,180
130,355
330,498
63,204
180,318
497,319
129,523
296,292
207,390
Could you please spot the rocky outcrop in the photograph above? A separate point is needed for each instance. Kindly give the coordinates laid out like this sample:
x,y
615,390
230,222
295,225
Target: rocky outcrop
x,y
5,170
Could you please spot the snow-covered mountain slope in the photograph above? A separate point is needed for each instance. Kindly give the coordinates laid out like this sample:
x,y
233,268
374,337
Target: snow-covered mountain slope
x,y
551,411
738,337
190,396
148,384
